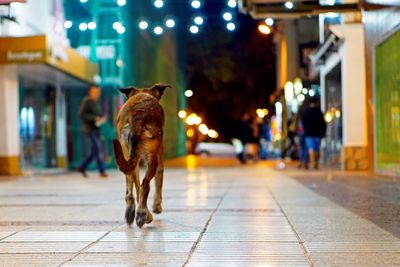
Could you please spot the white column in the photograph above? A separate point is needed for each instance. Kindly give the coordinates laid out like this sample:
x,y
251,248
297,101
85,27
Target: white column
x,y
61,127
9,120
354,86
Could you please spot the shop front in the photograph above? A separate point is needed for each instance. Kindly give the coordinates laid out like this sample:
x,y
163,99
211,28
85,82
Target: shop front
x,y
36,79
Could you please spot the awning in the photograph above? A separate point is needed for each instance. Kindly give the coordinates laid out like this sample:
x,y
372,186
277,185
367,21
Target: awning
x,y
36,56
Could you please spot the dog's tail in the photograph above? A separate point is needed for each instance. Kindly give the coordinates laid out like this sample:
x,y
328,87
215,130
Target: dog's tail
x,y
127,166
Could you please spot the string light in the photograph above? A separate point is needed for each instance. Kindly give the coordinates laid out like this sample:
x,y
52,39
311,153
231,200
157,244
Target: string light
x,y
143,25
121,2
227,16
67,24
92,25
83,26
232,3
194,29
170,23
158,30
196,4
198,20
158,3
231,26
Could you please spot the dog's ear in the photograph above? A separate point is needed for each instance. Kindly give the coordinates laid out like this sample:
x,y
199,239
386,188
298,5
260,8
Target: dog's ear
x,y
128,91
158,90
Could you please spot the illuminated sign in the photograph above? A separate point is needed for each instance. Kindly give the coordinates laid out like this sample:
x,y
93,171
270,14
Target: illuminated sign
x,y
7,2
25,56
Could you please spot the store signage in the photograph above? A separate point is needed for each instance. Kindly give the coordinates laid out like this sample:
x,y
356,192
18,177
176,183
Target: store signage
x,y
24,56
7,2
102,51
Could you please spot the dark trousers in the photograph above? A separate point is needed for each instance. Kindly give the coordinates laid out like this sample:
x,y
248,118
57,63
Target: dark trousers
x,y
95,152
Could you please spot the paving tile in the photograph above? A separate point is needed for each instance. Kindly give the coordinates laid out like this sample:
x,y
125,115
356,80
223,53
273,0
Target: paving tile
x,y
141,247
356,259
42,247
151,236
74,236
353,247
36,260
254,237
129,259
265,263
5,234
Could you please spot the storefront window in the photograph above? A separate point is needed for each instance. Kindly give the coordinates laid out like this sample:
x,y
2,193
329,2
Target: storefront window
x,y
387,78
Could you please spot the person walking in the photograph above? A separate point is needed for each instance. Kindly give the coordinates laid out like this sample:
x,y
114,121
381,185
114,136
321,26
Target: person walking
x,y
92,118
242,136
314,130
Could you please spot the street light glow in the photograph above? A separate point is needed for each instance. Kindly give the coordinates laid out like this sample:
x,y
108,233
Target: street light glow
x,y
304,91
289,93
116,25
269,21
262,112
231,26
301,98
67,24
311,92
121,2
193,119
121,30
196,4
203,129
188,93
182,114
213,134
289,5
158,30
194,29
170,23
198,20
83,1
92,25
158,3
232,3
83,26
264,29
227,16
143,25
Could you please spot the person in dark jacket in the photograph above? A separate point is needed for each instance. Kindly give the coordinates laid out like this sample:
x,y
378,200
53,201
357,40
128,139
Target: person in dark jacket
x,y
244,134
314,130
92,118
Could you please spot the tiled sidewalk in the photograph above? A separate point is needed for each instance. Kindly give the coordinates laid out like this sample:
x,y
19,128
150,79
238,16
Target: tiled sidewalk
x,y
229,216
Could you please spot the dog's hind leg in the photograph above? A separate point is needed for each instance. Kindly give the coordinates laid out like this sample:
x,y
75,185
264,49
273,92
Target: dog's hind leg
x,y
137,181
157,204
143,214
130,200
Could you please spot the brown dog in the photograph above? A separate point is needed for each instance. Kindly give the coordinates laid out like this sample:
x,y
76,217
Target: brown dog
x,y
140,135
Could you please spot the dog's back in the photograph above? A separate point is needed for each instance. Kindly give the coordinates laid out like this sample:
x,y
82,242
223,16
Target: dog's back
x,y
140,128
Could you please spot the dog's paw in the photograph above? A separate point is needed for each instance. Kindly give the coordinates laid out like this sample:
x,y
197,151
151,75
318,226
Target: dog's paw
x,y
157,208
141,218
129,215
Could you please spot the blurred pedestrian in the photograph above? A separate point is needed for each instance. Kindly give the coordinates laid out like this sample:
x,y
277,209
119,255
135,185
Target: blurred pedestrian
x,y
253,146
243,134
301,139
291,148
315,129
92,118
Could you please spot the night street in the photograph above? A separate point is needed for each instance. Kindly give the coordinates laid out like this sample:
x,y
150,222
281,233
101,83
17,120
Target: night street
x,y
227,216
